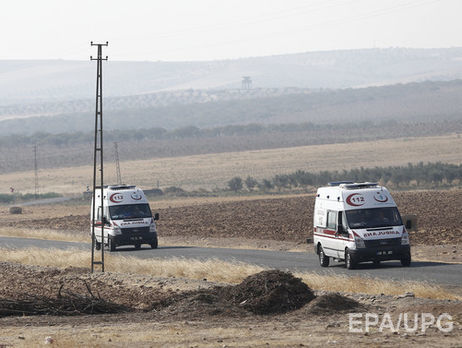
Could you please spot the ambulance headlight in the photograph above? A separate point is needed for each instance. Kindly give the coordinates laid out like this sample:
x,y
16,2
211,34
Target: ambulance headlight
x,y
359,242
116,230
152,227
405,239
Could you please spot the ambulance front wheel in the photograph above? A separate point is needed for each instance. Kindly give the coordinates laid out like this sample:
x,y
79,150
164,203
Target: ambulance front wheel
x,y
154,244
406,260
97,246
111,244
350,262
323,258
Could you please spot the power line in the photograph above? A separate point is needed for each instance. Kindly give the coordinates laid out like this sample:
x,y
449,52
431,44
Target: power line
x,y
270,35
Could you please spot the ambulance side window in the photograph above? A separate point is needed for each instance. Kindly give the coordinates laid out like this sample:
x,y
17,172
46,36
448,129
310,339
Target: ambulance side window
x,y
341,224
331,220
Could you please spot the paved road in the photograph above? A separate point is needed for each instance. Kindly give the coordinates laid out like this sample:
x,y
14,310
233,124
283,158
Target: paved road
x,y
442,273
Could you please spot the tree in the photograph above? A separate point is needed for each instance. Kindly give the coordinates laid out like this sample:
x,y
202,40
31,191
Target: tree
x,y
235,184
251,183
266,185
281,180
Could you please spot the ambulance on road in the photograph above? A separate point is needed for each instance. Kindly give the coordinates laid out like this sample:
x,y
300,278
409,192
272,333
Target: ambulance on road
x,y
126,216
358,222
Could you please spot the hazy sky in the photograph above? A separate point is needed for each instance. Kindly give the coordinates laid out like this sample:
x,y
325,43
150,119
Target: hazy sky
x,y
220,29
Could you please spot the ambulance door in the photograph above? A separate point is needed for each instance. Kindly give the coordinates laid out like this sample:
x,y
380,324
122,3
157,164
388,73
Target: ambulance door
x,y
98,222
342,234
330,238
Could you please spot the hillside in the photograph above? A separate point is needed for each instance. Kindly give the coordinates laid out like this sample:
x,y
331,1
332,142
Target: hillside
x,y
211,171
72,149
57,80
426,101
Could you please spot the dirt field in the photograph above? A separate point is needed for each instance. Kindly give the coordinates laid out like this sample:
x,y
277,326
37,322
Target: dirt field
x,y
287,219
214,170
270,308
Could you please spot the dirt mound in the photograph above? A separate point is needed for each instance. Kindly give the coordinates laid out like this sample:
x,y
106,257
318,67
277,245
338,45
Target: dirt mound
x,y
197,304
48,290
269,292
331,303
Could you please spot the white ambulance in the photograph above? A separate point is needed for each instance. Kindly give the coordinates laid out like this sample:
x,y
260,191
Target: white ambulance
x,y
126,216
358,222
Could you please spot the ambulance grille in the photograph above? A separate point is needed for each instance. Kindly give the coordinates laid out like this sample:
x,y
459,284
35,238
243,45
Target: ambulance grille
x,y
134,230
377,243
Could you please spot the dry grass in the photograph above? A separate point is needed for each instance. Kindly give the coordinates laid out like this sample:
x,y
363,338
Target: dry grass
x,y
220,271
46,234
375,286
212,170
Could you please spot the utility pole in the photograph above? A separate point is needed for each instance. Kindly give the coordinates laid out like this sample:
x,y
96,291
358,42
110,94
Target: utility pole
x,y
116,157
98,157
36,183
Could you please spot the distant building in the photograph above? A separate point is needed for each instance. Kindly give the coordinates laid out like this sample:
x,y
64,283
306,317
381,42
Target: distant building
x,y
246,82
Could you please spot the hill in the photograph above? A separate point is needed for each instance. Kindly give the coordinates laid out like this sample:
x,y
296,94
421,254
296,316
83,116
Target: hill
x,y
422,102
57,80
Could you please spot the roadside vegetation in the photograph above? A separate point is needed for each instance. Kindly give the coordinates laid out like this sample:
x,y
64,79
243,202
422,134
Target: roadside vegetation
x,y
220,271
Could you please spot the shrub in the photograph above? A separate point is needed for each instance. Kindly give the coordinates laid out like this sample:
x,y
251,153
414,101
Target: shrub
x,y
250,183
235,184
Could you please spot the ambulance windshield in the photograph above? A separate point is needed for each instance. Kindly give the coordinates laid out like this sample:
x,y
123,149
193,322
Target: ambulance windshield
x,y
371,218
130,211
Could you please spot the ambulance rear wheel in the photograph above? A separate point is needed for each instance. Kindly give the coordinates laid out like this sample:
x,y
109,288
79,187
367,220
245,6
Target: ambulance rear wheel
x,y
350,262
138,246
323,258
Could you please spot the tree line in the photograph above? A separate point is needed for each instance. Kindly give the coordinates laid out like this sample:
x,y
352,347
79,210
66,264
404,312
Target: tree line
x,y
19,197
159,133
429,175
343,131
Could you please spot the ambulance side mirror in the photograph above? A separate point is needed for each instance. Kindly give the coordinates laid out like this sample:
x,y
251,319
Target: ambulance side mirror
x,y
410,222
156,216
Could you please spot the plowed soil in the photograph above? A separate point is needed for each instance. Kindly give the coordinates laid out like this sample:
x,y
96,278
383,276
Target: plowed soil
x,y
271,308
284,219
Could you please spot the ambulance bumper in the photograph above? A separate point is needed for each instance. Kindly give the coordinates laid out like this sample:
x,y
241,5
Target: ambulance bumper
x,y
381,253
135,238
